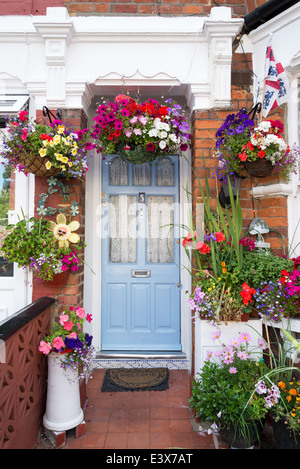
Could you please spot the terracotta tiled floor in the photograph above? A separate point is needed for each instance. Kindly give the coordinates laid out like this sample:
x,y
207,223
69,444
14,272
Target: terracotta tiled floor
x,y
141,419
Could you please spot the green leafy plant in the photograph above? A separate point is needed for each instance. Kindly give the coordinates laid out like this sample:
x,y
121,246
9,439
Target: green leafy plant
x,y
236,389
31,245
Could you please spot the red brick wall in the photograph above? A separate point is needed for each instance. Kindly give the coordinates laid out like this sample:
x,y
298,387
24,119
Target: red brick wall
x,y
272,209
159,7
70,294
127,7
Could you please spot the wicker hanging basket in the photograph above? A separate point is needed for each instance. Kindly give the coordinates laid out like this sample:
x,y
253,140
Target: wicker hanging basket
x,y
259,168
137,155
35,164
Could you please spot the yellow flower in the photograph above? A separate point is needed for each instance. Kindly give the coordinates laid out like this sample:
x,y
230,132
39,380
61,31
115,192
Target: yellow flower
x,y
70,164
74,151
63,231
42,152
58,156
64,159
61,129
56,139
48,165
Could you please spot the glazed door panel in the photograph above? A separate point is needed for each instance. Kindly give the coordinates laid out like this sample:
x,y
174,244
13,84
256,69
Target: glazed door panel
x,y
140,256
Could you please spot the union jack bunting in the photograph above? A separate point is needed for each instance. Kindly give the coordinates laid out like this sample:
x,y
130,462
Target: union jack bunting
x,y
276,83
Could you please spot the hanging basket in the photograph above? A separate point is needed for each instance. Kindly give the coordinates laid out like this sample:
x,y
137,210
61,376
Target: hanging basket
x,y
59,280
35,164
259,168
137,155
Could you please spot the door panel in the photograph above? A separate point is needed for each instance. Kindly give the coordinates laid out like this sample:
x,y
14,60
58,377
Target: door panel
x,y
140,256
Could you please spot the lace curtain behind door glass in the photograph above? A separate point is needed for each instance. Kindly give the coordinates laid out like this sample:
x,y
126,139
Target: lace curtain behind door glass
x,y
160,235
122,228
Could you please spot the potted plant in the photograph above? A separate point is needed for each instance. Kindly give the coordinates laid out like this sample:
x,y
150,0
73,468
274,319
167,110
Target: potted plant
x,y
286,414
69,351
259,150
44,150
279,297
140,132
233,392
33,246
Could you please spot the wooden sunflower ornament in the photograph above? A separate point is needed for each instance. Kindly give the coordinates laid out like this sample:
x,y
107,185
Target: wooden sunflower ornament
x,y
63,232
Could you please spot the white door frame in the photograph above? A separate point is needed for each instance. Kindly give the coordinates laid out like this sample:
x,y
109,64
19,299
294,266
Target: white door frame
x,y
92,270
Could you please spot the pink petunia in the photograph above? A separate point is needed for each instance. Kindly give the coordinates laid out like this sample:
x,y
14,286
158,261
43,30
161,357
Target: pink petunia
x,y
73,335
23,116
63,318
80,312
89,317
68,325
58,343
45,347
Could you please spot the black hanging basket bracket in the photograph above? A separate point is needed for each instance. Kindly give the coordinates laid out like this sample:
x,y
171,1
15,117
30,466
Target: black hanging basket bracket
x,y
255,110
49,114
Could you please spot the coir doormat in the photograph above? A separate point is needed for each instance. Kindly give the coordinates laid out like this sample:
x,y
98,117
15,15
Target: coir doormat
x,y
141,379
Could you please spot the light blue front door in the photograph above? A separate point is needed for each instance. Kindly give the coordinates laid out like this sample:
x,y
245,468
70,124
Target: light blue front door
x,y
140,256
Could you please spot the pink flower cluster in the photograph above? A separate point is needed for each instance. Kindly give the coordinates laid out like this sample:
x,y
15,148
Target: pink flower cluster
x,y
70,261
69,327
234,349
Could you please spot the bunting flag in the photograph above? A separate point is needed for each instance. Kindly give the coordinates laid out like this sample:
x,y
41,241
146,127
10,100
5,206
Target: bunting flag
x,y
276,87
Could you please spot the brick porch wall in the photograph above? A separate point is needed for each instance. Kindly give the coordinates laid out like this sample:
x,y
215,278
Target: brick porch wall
x,y
127,7
71,294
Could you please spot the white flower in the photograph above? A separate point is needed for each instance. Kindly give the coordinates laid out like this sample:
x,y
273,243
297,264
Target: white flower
x,y
174,138
153,133
165,126
158,124
264,126
162,144
162,134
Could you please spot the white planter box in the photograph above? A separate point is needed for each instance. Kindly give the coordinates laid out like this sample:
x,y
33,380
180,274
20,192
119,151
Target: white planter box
x,y
204,342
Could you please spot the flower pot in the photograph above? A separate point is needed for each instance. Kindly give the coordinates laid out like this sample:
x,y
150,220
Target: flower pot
x,y
63,409
59,280
35,164
259,168
245,437
284,438
137,155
